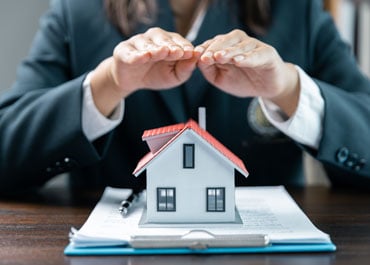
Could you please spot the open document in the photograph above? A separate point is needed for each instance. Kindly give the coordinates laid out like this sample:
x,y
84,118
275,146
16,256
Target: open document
x,y
268,220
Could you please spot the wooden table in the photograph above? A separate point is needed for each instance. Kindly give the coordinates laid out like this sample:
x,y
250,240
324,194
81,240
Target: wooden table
x,y
34,230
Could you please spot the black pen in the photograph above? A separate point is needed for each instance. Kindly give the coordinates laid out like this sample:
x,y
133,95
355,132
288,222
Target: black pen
x,y
127,203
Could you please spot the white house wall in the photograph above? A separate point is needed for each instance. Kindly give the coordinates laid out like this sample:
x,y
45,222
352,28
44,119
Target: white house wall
x,y
210,171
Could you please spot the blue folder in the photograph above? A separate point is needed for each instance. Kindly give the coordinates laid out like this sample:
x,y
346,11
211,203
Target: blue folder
x,y
273,248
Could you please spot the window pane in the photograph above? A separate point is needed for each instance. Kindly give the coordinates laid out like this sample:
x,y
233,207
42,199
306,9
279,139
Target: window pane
x,y
188,155
211,204
220,205
215,199
161,206
170,199
162,201
170,207
220,201
211,200
166,200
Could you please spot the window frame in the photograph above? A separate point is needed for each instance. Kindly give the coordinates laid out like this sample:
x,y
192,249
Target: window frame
x,y
166,208
216,208
185,156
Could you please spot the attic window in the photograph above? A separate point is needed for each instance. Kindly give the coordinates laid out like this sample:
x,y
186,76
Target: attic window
x,y
188,156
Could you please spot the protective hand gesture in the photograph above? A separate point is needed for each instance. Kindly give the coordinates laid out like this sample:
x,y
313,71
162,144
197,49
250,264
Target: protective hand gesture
x,y
246,67
156,60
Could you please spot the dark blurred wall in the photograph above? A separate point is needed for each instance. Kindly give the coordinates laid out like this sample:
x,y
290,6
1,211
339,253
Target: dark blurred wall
x,y
18,23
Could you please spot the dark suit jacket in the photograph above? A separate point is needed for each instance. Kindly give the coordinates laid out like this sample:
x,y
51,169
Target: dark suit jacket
x,y
40,118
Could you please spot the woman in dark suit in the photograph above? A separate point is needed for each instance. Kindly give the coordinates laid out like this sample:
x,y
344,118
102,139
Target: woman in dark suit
x,y
275,77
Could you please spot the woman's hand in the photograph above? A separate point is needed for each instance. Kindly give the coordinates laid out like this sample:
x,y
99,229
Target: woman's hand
x,y
246,67
156,59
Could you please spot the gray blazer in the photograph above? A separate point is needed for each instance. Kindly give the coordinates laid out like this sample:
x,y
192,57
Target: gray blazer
x,y
40,118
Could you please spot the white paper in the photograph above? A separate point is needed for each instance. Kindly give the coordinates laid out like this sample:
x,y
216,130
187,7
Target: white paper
x,y
264,210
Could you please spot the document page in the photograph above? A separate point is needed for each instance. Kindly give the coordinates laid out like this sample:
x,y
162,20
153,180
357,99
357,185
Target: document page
x,y
272,211
262,210
105,225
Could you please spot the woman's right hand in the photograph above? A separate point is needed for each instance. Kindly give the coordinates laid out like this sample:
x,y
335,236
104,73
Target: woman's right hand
x,y
156,59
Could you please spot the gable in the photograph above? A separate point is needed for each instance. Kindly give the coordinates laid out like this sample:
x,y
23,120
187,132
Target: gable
x,y
171,164
208,143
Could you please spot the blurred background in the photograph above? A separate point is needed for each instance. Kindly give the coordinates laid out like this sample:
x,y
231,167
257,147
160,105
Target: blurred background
x,y
19,21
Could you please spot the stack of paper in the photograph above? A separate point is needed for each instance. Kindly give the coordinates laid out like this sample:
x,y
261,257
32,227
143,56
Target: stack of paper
x,y
268,211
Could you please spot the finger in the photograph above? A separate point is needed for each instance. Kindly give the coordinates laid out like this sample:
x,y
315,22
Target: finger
x,y
145,44
175,52
178,47
184,44
228,54
220,43
129,54
205,53
202,47
260,56
185,68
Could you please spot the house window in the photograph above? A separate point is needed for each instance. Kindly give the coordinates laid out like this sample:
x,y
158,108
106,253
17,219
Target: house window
x,y
166,199
188,155
215,199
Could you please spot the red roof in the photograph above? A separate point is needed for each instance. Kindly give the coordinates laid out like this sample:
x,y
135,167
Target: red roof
x,y
178,129
163,130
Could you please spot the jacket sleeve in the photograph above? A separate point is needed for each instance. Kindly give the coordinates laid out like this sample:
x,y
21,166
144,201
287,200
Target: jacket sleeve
x,y
40,117
344,148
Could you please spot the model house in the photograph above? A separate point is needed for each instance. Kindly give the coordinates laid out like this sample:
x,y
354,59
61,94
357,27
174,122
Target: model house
x,y
190,176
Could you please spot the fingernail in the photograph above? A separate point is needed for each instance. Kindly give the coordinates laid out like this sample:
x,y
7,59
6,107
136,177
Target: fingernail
x,y
208,54
188,48
199,49
239,58
221,53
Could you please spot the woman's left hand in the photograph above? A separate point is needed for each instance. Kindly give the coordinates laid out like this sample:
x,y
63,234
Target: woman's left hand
x,y
246,67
